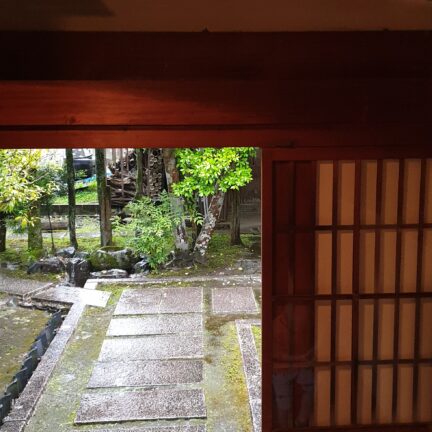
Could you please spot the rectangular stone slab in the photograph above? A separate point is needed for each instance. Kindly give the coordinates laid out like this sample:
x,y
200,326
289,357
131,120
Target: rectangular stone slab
x,y
160,300
118,406
144,373
152,348
233,300
155,324
70,295
20,287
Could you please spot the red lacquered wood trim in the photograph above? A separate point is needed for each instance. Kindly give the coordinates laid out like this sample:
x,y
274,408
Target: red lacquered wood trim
x,y
267,287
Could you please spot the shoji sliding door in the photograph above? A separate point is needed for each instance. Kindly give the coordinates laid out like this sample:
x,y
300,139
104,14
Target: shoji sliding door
x,y
349,318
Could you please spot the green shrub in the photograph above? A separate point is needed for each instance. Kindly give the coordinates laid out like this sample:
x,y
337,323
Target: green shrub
x,y
149,229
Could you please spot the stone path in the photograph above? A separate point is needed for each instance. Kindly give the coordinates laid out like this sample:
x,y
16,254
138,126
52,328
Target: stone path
x,y
155,339
150,366
233,300
20,287
70,295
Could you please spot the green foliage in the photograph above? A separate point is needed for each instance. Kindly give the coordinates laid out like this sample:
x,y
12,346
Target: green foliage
x,y
86,195
150,228
17,181
207,170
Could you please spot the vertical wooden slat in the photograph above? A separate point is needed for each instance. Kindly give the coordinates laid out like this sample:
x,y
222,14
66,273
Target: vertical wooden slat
x,y
334,291
400,209
356,290
378,220
419,288
267,185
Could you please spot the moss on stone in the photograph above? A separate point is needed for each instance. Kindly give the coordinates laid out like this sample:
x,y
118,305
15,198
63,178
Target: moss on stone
x,y
19,327
225,386
58,405
257,334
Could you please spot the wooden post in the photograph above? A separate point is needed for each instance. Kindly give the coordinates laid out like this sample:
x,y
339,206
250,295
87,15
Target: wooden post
x,y
235,217
140,173
104,197
70,171
2,232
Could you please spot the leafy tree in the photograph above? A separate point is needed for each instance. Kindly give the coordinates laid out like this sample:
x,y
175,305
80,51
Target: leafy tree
x,y
149,229
18,187
211,172
25,185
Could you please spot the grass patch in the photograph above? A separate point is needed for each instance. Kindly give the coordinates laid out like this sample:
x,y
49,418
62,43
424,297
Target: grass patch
x,y
22,274
82,196
19,327
257,334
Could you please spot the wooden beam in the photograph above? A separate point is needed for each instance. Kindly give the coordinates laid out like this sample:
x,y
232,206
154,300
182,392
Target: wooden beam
x,y
296,55
209,103
393,136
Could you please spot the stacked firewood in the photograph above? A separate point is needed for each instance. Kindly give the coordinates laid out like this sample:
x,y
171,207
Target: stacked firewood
x,y
124,172
122,182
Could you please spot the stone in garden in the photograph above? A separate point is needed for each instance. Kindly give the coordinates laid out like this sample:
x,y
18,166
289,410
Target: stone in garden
x,y
155,324
233,300
111,257
180,259
160,300
152,348
78,271
20,287
255,247
250,266
68,252
110,274
47,265
82,255
119,406
142,266
70,295
146,373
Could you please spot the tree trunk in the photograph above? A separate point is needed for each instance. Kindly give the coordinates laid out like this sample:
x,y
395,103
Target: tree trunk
x,y
104,199
2,232
235,217
154,176
173,176
70,170
34,231
140,173
209,224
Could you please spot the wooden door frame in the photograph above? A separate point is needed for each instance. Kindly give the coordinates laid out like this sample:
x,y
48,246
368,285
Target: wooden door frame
x,y
304,91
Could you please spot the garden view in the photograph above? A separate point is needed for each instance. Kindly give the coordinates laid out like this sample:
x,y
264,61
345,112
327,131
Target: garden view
x,y
130,289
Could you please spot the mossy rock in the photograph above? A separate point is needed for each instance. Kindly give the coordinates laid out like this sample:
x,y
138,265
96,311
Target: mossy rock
x,y
112,257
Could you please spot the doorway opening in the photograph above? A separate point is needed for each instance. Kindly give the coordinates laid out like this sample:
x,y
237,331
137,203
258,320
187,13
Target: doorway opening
x,y
173,236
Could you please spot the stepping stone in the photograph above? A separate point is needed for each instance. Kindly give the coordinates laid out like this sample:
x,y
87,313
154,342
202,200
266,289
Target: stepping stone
x,y
143,405
152,348
186,428
233,300
160,300
70,295
20,287
144,373
155,324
